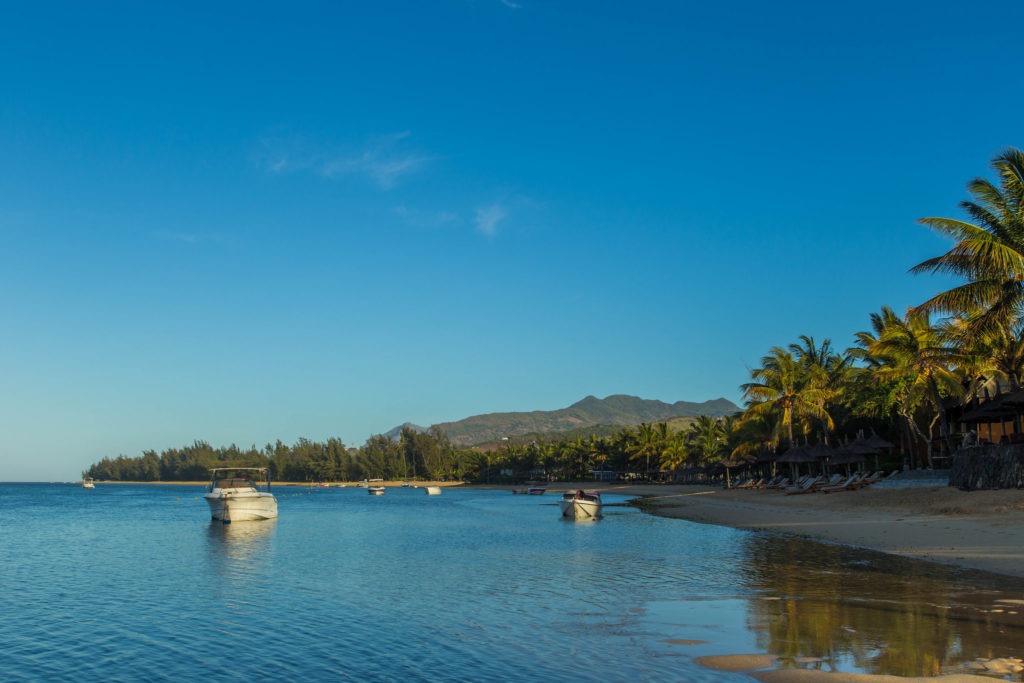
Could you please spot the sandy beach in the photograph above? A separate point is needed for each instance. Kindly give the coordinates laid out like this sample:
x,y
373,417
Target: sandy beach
x,y
979,530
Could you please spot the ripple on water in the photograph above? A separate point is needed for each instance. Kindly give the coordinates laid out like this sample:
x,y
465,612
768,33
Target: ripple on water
x,y
135,583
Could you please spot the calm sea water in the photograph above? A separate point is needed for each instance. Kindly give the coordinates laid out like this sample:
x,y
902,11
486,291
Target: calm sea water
x,y
134,583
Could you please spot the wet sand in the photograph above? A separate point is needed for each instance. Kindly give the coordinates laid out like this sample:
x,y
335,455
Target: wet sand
x,y
978,530
760,668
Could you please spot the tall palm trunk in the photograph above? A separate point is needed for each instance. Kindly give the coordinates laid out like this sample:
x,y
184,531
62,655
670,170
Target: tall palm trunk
x,y
908,437
947,437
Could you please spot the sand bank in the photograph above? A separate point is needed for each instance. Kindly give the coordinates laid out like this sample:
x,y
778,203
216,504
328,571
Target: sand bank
x,y
979,530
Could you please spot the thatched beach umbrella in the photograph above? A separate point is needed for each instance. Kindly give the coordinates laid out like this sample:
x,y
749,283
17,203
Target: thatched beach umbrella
x,y
846,456
878,442
864,446
734,461
797,456
766,457
875,441
822,452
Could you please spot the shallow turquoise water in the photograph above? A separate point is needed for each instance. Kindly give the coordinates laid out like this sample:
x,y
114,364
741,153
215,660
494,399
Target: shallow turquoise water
x,y
135,583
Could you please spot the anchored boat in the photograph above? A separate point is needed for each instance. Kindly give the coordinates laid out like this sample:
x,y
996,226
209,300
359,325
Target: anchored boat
x,y
581,504
237,494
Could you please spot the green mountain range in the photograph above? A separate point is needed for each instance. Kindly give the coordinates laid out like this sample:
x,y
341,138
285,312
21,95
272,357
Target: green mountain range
x,y
618,410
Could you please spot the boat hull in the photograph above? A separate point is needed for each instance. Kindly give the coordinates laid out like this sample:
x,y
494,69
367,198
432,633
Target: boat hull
x,y
241,507
433,490
580,509
376,490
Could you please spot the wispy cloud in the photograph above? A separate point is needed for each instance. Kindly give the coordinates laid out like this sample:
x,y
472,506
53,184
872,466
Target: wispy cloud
x,y
509,3
488,218
382,160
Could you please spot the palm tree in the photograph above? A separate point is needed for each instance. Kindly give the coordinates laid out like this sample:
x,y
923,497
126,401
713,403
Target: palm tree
x,y
783,390
827,371
676,452
912,358
988,254
649,441
1002,355
706,439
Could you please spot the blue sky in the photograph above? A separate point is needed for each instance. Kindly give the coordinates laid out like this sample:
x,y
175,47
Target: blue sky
x,y
242,222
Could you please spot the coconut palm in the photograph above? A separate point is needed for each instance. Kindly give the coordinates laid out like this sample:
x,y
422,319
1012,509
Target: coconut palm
x,y
782,390
828,371
988,253
676,452
912,358
706,439
1002,355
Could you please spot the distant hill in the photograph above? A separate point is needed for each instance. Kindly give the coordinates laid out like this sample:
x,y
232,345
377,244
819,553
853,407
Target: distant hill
x,y
615,411
395,433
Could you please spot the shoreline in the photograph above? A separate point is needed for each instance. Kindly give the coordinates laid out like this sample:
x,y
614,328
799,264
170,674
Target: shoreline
x,y
978,530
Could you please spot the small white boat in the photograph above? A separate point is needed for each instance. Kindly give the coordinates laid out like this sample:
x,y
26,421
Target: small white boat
x,y
375,490
433,490
581,504
237,494
88,483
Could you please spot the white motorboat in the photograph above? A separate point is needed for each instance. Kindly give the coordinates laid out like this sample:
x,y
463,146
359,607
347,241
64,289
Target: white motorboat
x,y
375,490
433,490
581,504
237,494
88,483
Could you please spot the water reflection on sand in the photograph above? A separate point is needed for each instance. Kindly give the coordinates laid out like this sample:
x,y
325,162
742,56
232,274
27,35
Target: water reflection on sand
x,y
841,609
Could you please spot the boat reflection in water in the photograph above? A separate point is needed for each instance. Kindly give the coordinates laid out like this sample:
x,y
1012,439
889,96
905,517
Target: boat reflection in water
x,y
240,550
860,611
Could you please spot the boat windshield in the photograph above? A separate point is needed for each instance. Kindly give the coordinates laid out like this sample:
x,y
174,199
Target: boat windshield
x,y
233,483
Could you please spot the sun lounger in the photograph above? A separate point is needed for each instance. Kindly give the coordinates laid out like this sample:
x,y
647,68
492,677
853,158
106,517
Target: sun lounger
x,y
849,484
808,486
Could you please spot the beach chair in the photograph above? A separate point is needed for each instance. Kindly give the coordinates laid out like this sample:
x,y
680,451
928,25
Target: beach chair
x,y
850,483
868,479
807,486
